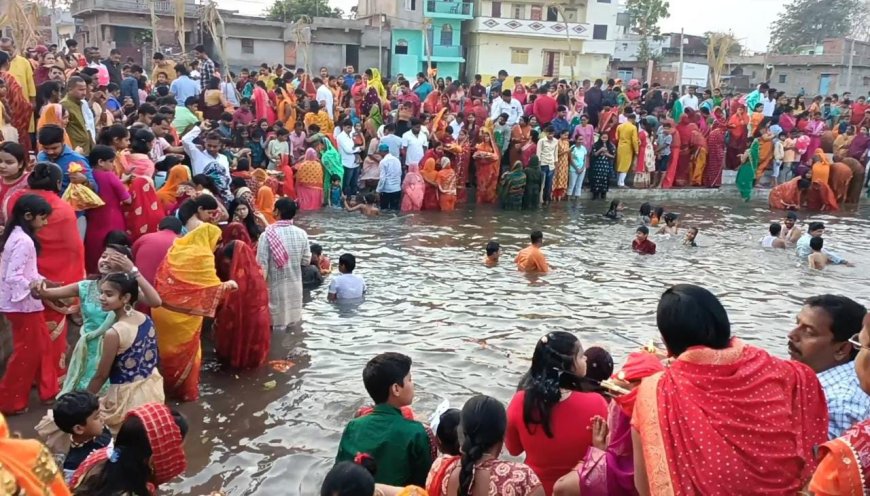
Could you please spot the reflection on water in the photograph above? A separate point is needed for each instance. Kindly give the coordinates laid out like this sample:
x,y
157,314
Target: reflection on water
x,y
472,330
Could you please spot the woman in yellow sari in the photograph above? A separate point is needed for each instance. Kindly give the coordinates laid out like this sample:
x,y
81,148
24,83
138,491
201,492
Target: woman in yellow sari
x,y
190,288
317,115
52,113
286,107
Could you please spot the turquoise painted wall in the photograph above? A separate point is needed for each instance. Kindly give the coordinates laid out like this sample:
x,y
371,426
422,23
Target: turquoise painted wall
x,y
409,64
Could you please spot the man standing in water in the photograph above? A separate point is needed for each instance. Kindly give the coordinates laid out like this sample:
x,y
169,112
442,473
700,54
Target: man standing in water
x,y
531,258
792,232
821,340
282,257
803,250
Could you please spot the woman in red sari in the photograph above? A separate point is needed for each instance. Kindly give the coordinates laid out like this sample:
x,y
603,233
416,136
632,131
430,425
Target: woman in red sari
x,y
242,323
737,129
725,417
262,104
432,103
20,108
62,255
684,163
716,158
429,171
521,135
479,111
144,212
608,121
446,181
487,159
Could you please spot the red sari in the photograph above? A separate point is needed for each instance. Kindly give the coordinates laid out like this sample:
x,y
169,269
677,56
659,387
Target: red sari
x,y
715,157
242,324
461,163
671,174
787,196
737,141
684,164
144,212
61,260
731,421
487,168
20,109
429,171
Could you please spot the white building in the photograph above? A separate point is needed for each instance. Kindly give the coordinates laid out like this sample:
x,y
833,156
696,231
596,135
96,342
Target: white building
x,y
530,38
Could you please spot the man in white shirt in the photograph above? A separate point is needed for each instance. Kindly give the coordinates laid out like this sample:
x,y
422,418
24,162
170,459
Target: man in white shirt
x,y
690,100
349,158
390,183
200,159
548,148
506,105
391,140
324,96
769,102
414,143
347,285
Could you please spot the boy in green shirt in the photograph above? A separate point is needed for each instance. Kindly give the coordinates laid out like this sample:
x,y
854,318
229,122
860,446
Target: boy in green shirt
x,y
399,446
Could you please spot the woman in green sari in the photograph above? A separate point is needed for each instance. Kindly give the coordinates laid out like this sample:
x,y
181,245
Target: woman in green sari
x,y
331,161
513,187
534,182
746,173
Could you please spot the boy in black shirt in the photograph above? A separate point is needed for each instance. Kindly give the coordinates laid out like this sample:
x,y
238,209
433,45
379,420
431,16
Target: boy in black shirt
x,y
78,414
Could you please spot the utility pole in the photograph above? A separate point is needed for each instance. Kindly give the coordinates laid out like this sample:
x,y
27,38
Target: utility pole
x,y
426,27
680,74
381,42
851,59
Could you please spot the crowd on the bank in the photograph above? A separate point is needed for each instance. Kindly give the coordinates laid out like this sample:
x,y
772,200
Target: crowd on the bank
x,y
161,201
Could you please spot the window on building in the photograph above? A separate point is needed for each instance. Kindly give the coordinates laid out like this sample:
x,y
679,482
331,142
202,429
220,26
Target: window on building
x,y
446,35
599,32
753,75
496,9
518,11
247,45
782,78
520,55
552,14
866,81
411,5
401,47
536,13
604,1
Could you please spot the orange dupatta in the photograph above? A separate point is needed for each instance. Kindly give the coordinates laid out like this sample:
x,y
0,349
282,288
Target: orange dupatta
x,y
822,168
177,175
52,113
27,467
187,279
265,203
842,468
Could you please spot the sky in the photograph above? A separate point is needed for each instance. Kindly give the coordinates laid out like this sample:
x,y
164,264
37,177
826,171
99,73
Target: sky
x,y
695,16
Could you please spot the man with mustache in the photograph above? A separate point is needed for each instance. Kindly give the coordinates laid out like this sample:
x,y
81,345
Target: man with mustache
x,y
820,340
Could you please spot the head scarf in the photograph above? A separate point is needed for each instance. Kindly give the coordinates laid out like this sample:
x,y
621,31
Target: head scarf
x,y
177,175
445,162
52,113
375,115
27,467
376,83
235,231
164,436
412,177
187,280
311,154
243,192
266,203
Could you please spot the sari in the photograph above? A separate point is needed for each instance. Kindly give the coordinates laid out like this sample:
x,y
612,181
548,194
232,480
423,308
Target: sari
x,y
262,108
190,288
607,123
814,131
505,478
432,102
332,167
265,203
787,196
822,168
520,94
322,120
461,164
858,147
745,180
844,464
487,166
27,467
856,185
243,328
287,186
736,142
685,129
534,183
840,179
715,157
20,109
446,181
144,213
430,177
560,175
513,187
699,157
765,154
52,113
309,181
166,194
733,397
413,189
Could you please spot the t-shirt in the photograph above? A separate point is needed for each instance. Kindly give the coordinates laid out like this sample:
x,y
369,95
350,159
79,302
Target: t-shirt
x,y
77,454
416,146
545,108
394,142
531,259
347,287
645,247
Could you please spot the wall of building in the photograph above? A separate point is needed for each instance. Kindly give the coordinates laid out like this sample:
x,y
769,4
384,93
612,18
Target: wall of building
x,y
411,63
264,51
487,54
793,79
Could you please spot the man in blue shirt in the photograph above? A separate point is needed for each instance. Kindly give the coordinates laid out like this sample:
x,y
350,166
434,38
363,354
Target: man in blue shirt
x,y
183,87
130,85
348,77
423,87
54,150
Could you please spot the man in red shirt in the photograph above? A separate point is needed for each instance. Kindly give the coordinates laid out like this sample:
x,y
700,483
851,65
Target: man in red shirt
x,y
544,108
858,109
477,90
641,243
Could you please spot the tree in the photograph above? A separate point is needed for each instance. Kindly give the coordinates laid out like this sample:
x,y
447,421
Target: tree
x,y
645,16
719,47
809,22
292,10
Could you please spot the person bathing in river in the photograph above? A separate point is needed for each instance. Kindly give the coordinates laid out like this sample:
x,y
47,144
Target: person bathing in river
x,y
691,234
368,206
773,239
401,446
803,249
817,260
671,226
792,232
493,252
347,286
530,258
642,244
615,210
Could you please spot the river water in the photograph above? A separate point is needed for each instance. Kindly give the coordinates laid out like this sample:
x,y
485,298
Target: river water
x,y
471,330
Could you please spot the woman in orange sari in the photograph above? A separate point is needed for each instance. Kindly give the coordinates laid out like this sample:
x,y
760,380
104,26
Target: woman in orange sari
x,y
317,115
608,122
521,134
765,150
265,203
27,467
167,194
432,102
487,159
243,329
54,113
699,156
430,177
286,111
190,288
697,425
800,193
309,181
446,181
821,168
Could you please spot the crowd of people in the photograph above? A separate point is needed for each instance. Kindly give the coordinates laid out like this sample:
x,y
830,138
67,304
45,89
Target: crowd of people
x,y
142,206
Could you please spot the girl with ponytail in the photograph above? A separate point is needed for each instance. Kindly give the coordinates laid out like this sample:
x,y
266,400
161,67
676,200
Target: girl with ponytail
x,y
552,425
478,471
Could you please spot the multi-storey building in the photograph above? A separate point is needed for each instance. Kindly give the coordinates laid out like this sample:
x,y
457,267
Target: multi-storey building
x,y
531,38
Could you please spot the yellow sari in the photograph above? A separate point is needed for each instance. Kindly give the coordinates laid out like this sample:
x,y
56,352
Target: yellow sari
x,y
189,286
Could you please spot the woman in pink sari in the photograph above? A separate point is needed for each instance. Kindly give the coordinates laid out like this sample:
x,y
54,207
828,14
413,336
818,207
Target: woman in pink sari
x,y
413,189
815,128
262,104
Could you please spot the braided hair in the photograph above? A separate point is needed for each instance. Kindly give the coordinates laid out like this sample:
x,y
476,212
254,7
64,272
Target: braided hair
x,y
483,423
554,353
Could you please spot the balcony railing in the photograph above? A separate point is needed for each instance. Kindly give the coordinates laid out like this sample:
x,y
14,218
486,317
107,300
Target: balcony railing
x,y
449,8
161,7
446,51
527,27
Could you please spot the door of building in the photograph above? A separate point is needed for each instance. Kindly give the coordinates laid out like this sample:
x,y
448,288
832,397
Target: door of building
x,y
824,84
351,55
551,64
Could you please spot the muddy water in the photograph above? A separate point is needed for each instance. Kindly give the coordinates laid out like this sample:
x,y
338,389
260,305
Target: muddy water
x,y
471,330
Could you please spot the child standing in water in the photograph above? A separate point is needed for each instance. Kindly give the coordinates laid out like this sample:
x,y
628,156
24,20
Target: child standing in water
x,y
642,243
817,260
691,234
493,251
335,196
